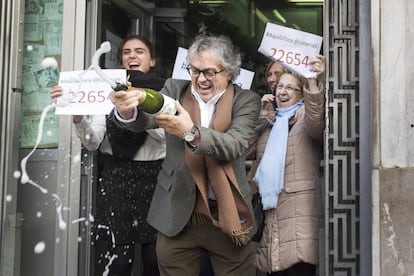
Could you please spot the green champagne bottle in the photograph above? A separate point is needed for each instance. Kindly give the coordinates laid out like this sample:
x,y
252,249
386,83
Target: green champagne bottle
x,y
153,102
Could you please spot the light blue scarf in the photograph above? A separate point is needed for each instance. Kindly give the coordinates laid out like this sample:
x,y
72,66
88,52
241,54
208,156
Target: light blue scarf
x,y
271,170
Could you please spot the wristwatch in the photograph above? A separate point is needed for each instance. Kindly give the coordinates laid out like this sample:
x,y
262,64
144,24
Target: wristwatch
x,y
190,135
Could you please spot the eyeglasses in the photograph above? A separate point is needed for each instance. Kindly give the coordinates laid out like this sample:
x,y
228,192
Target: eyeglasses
x,y
287,87
209,74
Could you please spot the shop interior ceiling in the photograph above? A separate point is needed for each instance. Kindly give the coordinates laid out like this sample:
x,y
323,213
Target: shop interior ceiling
x,y
298,14
244,20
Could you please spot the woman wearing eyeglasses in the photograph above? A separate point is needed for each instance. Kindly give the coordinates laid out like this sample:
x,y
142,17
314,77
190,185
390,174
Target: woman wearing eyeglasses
x,y
202,200
288,148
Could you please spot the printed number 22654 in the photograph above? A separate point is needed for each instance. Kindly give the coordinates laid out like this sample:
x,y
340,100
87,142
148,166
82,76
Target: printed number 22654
x,y
88,97
292,58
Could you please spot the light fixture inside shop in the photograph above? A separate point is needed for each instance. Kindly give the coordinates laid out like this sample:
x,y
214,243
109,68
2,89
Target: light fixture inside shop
x,y
279,16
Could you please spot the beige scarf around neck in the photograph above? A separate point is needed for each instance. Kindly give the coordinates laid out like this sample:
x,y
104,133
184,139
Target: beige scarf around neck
x,y
232,209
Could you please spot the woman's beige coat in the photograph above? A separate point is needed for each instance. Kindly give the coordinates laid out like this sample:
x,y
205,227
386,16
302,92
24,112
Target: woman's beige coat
x,y
292,229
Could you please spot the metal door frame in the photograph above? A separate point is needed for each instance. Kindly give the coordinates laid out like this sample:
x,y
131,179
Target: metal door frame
x,y
11,41
348,213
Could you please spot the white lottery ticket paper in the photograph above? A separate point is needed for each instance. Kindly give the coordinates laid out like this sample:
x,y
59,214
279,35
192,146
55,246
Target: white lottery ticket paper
x,y
292,48
85,93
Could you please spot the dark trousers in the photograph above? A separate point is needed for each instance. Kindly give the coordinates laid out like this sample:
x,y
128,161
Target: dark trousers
x,y
206,269
181,255
299,269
